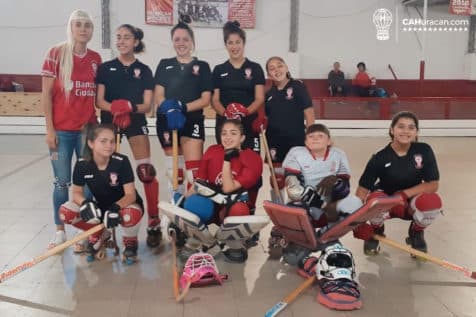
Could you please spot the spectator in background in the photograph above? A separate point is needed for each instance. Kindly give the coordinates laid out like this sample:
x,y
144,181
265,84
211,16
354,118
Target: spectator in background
x,y
336,81
363,84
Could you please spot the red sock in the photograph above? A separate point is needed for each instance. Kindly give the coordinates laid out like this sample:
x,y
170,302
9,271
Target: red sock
x,y
152,197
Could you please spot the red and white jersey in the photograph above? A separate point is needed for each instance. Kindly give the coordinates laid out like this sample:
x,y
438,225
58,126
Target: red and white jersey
x,y
300,160
71,112
246,169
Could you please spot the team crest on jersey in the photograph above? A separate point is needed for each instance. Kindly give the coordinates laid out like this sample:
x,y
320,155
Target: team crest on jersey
x,y
289,93
418,161
137,73
166,137
195,70
94,66
272,152
114,179
248,72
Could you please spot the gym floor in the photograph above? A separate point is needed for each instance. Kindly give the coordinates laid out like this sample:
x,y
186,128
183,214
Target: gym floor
x,y
392,284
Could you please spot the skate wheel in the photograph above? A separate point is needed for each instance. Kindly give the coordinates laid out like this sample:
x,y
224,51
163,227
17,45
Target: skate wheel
x,y
90,258
100,254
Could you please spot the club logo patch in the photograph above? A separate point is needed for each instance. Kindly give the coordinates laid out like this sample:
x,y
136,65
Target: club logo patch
x,y
418,161
248,73
137,73
114,179
289,93
273,152
166,137
195,70
95,67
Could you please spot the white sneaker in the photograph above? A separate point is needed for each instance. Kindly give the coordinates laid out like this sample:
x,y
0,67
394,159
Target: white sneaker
x,y
59,238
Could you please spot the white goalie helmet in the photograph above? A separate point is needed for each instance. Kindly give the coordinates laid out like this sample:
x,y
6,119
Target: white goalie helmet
x,y
335,262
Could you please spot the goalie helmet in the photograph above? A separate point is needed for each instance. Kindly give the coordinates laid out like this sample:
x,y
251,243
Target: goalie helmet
x,y
335,262
200,270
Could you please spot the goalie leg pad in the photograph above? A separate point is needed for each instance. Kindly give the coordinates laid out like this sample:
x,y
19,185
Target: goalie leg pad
x,y
427,207
69,214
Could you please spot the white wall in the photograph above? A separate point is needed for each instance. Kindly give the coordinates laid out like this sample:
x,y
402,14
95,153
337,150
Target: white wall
x,y
329,30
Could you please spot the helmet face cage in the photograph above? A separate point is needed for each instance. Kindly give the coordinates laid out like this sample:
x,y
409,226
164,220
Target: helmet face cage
x,y
200,269
336,262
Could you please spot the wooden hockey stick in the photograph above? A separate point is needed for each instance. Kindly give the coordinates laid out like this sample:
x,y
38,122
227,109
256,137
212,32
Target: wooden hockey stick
x,y
26,265
276,309
175,160
175,271
423,255
274,182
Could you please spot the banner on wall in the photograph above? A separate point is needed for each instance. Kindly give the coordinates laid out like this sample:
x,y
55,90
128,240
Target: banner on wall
x,y
460,7
204,13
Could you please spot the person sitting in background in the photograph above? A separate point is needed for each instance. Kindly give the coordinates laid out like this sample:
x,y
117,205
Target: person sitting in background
x,y
362,82
336,80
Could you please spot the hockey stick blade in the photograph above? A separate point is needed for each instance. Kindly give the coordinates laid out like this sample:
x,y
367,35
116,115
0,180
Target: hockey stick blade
x,y
276,309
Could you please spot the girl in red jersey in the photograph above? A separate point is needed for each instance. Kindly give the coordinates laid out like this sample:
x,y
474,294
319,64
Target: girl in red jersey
x,y
68,97
125,88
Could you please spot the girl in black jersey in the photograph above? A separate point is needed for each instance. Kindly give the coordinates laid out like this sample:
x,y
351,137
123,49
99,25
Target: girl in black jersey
x,y
124,95
289,110
239,94
184,81
406,168
238,87
110,178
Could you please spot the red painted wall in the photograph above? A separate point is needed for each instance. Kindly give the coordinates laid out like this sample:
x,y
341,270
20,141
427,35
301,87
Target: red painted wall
x,y
318,87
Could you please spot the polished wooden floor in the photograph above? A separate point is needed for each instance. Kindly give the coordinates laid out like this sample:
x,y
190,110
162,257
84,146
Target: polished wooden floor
x,y
392,284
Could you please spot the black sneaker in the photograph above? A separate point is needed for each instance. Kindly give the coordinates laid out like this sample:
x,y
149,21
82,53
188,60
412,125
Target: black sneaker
x,y
154,236
416,239
371,247
252,241
180,237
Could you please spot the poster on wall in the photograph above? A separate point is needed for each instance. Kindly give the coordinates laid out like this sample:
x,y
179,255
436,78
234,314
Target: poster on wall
x,y
203,13
460,7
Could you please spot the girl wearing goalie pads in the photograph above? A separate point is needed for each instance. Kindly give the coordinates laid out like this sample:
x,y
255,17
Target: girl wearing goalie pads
x,y
183,87
110,178
125,88
317,178
407,168
231,172
67,97
287,106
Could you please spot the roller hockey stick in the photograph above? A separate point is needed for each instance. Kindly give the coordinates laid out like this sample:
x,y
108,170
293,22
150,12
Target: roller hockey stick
x,y
175,272
423,255
26,265
276,309
277,193
175,160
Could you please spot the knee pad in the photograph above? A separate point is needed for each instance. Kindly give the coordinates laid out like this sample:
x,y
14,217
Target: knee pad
x,y
239,209
340,190
69,213
427,208
130,216
201,206
146,172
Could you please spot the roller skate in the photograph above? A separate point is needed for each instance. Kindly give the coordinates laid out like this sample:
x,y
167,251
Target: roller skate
x,y
371,247
97,244
129,255
276,244
154,233
416,239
